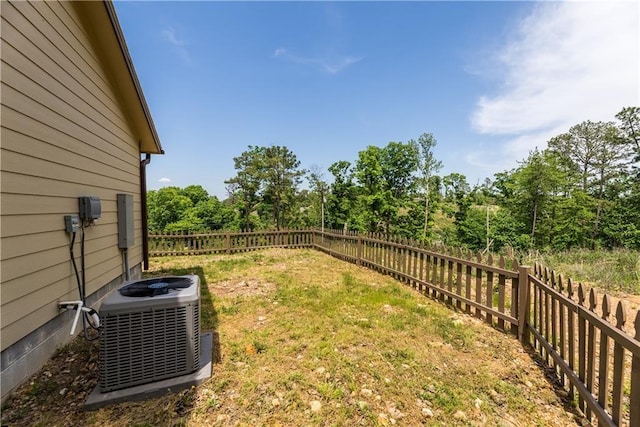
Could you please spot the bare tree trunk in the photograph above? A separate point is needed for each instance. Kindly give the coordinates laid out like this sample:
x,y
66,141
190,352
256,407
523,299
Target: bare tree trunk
x,y
488,242
596,226
426,212
535,217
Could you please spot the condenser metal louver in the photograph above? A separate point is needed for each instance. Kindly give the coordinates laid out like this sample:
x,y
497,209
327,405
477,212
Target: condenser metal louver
x,y
150,332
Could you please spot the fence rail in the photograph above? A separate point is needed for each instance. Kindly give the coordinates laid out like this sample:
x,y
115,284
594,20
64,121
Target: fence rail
x,y
226,242
591,353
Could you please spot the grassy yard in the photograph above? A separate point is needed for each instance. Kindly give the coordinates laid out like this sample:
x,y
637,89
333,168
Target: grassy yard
x,y
305,339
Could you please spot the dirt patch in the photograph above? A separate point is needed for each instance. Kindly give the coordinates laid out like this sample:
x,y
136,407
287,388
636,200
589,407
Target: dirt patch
x,y
242,287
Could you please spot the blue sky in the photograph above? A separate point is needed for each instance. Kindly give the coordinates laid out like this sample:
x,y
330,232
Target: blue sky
x,y
490,80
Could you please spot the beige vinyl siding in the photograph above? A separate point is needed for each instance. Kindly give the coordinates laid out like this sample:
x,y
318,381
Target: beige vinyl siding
x,y
64,134
67,59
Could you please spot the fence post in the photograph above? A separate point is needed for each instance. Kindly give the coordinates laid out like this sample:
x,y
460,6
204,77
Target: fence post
x,y
359,250
634,400
227,240
523,303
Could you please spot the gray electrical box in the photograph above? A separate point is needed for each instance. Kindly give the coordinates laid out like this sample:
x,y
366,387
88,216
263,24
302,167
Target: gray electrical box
x,y
71,223
90,208
126,237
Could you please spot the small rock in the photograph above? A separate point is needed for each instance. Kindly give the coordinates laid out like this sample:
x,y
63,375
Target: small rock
x,y
275,402
497,398
320,370
387,380
316,406
63,391
392,421
261,318
427,412
394,412
528,383
362,404
460,415
366,392
477,403
387,308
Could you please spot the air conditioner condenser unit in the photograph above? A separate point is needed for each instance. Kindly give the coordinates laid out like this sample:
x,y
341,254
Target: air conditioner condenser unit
x,y
150,332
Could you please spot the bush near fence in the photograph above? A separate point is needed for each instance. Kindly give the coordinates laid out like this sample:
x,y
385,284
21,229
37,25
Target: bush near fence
x,y
595,355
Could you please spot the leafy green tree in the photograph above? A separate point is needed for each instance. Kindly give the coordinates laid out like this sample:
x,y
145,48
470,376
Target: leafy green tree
x,y
246,185
196,193
368,171
215,215
188,222
318,196
599,154
536,179
456,194
629,118
583,147
572,223
342,195
472,229
387,177
281,175
428,166
165,206
504,229
624,225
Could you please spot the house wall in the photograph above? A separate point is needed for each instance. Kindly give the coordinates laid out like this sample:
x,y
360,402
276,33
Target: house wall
x,y
64,134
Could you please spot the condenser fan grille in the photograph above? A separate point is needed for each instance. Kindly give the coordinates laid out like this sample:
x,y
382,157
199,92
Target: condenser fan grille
x,y
153,287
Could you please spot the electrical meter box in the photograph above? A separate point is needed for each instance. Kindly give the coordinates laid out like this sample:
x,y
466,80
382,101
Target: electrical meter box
x,y
90,208
126,237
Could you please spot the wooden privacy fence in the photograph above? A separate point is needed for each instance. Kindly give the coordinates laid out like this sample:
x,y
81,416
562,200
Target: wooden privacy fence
x,y
592,354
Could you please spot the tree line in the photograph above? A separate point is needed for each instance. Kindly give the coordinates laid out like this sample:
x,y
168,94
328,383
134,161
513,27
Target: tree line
x,y
582,190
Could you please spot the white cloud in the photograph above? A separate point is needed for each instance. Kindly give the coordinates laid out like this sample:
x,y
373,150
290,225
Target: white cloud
x,y
180,45
169,34
565,63
332,65
164,180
